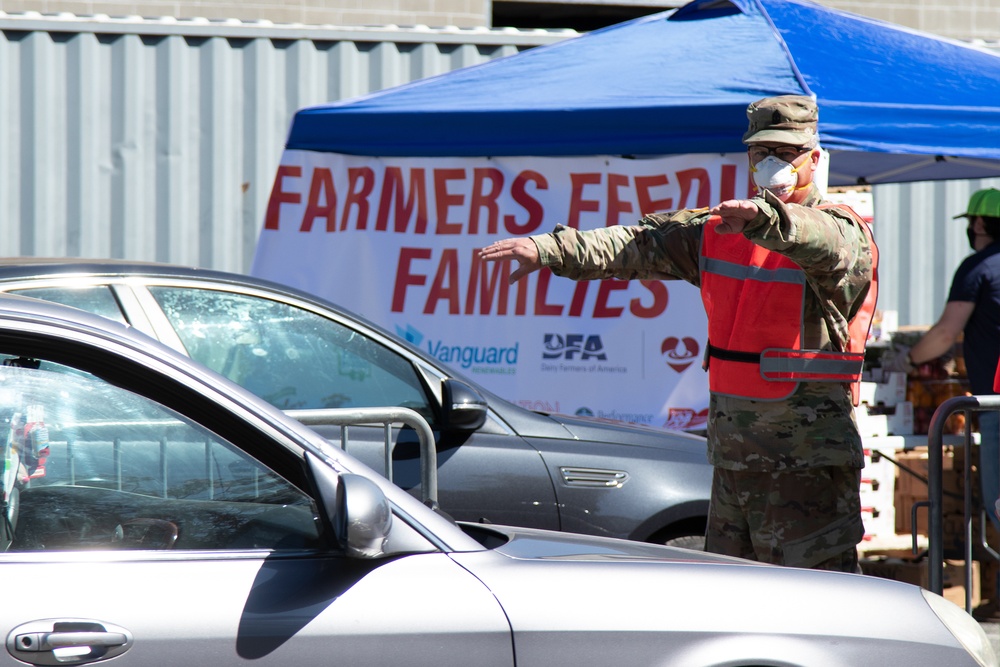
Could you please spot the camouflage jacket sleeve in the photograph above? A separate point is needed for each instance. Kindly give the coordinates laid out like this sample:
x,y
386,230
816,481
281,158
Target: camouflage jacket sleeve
x,y
662,246
828,244
833,251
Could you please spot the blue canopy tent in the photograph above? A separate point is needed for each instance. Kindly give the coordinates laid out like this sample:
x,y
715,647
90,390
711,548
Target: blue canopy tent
x,y
895,105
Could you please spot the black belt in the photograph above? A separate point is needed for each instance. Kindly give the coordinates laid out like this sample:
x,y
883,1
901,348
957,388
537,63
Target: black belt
x,y
733,355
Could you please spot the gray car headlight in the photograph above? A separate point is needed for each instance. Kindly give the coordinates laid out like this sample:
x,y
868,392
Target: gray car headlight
x,y
965,628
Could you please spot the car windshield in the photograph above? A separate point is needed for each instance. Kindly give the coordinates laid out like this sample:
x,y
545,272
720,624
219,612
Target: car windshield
x,y
290,357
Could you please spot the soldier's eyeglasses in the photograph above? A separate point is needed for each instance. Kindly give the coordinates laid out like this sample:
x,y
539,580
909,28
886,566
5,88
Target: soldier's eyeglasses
x,y
784,153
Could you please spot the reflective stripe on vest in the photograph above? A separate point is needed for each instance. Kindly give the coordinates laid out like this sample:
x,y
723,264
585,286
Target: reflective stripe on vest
x,y
805,365
740,272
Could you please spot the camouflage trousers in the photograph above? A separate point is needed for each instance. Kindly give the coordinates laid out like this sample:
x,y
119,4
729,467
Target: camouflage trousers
x,y
804,517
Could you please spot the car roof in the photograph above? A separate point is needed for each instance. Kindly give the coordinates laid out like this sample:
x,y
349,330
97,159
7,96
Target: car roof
x,y
23,267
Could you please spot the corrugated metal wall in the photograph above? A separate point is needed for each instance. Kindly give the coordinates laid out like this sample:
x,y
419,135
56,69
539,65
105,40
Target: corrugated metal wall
x,y
159,139
921,244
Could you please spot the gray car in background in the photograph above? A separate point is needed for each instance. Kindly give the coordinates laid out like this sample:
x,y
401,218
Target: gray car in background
x,y
154,513
498,462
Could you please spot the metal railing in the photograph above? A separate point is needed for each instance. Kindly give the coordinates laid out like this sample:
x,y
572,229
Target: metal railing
x,y
386,417
935,489
66,437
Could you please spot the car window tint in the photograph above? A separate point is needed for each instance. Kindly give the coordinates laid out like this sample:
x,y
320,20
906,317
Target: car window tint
x,y
293,358
96,299
87,465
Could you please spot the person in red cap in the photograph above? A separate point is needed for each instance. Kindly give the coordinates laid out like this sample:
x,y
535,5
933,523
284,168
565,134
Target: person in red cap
x,y
788,284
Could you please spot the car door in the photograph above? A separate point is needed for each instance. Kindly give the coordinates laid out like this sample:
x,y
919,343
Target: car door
x,y
140,522
299,359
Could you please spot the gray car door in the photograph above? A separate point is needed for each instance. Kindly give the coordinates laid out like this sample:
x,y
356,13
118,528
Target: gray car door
x,y
132,531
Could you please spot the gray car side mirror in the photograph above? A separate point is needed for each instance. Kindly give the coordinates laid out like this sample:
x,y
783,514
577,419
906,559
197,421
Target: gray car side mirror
x,y
463,408
366,517
356,508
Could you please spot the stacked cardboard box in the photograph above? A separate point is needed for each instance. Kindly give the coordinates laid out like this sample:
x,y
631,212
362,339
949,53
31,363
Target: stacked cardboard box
x,y
894,404
911,488
878,481
883,414
883,408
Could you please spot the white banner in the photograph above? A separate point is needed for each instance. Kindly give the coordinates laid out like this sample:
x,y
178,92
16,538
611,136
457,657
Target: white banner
x,y
396,241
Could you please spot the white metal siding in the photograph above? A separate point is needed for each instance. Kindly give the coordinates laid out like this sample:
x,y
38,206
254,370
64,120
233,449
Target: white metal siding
x,y
159,139
920,244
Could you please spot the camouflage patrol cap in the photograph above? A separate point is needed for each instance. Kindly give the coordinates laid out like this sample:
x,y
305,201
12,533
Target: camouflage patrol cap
x,y
787,119
983,202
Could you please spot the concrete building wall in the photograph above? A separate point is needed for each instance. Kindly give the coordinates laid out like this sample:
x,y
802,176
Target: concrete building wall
x,y
965,20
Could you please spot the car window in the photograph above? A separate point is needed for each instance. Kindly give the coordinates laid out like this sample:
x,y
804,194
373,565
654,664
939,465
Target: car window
x,y
96,299
292,358
88,465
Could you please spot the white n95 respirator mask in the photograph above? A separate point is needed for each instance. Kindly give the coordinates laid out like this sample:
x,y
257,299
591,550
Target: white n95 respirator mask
x,y
776,175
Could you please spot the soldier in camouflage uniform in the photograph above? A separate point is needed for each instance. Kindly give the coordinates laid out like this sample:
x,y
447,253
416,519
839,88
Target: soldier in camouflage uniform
x,y
786,472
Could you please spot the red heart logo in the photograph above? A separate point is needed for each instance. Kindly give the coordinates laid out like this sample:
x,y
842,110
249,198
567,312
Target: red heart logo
x,y
680,352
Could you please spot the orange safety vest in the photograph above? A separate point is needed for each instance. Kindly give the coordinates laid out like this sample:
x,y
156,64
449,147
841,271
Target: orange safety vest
x,y
754,299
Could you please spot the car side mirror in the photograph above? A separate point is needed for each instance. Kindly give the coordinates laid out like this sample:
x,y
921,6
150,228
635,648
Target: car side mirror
x,y
464,408
356,508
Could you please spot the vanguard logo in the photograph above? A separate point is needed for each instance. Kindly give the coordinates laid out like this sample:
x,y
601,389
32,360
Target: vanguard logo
x,y
464,355
468,355
569,346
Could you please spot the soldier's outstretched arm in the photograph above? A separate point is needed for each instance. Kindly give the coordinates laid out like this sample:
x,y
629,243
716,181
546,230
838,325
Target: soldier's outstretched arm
x,y
521,249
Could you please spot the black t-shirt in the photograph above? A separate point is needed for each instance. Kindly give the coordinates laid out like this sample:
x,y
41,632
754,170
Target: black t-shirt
x,y
978,280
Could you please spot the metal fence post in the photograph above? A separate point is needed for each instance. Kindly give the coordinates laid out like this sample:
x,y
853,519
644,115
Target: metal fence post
x,y
935,485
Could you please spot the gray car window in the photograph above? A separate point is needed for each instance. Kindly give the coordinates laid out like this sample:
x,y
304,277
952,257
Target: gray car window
x,y
96,299
87,465
293,358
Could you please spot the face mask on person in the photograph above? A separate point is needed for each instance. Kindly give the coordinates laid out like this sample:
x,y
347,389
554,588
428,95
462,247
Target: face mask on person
x,y
971,233
776,175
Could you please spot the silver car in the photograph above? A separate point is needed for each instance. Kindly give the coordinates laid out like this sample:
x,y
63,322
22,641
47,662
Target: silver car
x,y
498,462
156,513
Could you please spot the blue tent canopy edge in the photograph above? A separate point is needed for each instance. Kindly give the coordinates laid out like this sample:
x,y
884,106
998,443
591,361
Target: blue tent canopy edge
x,y
895,104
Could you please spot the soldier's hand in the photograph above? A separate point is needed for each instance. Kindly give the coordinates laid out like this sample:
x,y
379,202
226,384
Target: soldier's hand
x,y
735,214
521,249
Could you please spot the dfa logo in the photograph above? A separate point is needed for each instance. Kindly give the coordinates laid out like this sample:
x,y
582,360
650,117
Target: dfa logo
x,y
574,347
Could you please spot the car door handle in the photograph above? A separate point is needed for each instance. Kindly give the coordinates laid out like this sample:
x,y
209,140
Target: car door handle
x,y
47,641
67,641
